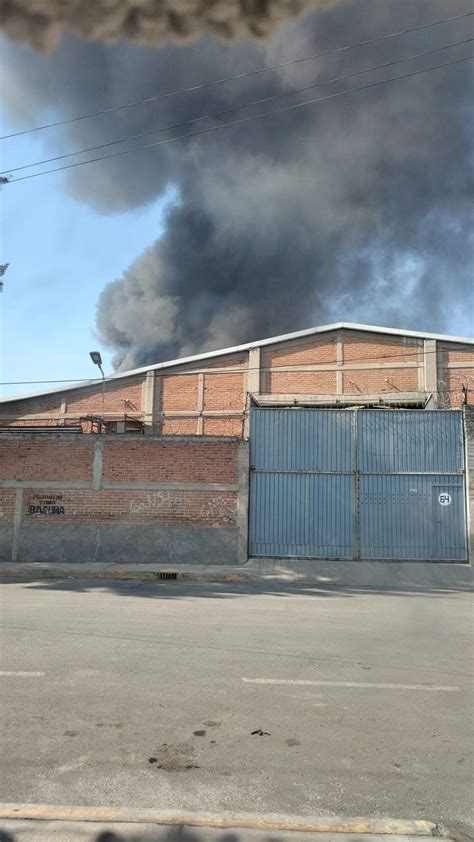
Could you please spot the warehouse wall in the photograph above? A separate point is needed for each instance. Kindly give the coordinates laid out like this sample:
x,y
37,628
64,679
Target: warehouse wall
x,y
455,366
119,398
210,397
118,499
209,401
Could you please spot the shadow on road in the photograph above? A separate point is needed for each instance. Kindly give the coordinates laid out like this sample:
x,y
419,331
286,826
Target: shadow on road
x,y
161,834
183,834
183,589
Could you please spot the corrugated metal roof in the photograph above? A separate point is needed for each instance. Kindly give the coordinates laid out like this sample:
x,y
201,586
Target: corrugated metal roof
x,y
273,340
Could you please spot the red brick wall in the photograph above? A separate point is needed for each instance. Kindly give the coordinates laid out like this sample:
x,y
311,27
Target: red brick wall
x,y
7,504
374,381
46,459
202,508
223,426
452,379
449,355
46,409
89,401
224,391
179,426
179,391
48,406
304,353
450,386
119,499
154,460
301,383
200,462
362,350
295,381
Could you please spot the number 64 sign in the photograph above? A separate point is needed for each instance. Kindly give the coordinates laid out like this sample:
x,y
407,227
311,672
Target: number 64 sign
x,y
444,499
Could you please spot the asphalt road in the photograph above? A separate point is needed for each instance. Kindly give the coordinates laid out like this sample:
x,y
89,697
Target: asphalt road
x,y
139,695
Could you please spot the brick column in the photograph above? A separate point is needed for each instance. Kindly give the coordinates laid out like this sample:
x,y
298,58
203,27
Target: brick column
x,y
254,384
468,414
148,402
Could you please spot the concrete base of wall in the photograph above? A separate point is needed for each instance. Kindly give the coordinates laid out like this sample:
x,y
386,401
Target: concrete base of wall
x,y
122,543
6,541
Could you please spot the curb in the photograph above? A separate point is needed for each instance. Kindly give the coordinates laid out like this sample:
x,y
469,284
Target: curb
x,y
322,574
127,575
249,821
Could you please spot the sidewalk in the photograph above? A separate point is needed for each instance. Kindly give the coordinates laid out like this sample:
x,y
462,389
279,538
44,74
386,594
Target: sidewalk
x,y
355,574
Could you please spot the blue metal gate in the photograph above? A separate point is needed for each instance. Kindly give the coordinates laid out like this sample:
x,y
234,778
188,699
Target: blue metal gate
x,y
369,484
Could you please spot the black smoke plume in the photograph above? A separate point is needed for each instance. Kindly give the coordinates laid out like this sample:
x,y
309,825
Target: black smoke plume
x,y
354,209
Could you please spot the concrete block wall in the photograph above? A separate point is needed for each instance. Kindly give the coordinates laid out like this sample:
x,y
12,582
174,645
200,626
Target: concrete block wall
x,y
123,498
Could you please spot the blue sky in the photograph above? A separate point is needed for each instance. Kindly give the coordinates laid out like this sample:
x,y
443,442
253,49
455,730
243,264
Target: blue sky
x,y
51,242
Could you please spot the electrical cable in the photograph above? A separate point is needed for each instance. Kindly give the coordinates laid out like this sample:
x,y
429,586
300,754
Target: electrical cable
x,y
216,114
242,120
238,76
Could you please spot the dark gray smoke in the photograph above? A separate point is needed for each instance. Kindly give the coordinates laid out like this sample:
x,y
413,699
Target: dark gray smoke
x,y
153,22
356,209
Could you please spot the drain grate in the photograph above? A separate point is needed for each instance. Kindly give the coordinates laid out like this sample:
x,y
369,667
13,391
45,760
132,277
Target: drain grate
x,y
167,574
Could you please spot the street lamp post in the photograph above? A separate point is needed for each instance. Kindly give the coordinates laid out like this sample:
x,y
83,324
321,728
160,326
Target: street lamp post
x,y
97,360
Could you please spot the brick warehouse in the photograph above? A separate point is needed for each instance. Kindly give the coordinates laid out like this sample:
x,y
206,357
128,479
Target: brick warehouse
x,y
169,483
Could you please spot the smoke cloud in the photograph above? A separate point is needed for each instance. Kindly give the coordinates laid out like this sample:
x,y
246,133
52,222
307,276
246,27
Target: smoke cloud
x,y
355,209
153,22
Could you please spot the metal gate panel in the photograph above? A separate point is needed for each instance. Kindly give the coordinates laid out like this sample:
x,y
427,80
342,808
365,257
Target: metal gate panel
x,y
301,501
405,460
301,440
370,484
301,515
400,517
410,440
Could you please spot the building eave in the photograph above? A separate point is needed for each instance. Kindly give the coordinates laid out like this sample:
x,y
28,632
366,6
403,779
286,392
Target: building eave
x,y
273,340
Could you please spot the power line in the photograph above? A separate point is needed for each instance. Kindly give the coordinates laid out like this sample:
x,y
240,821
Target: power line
x,y
237,76
242,120
217,114
418,353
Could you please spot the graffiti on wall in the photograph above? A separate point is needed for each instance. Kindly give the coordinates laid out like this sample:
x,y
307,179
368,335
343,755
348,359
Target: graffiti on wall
x,y
156,500
215,507
46,504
